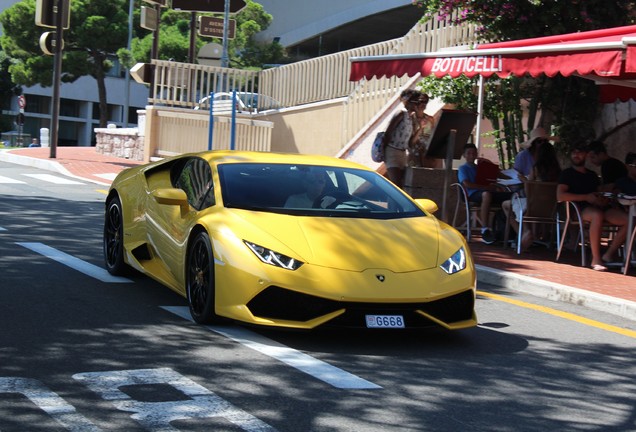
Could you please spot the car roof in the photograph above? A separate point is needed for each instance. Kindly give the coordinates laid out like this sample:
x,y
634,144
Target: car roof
x,y
236,156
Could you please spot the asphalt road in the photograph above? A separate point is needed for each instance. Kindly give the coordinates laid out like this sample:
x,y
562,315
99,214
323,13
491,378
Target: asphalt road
x,y
82,351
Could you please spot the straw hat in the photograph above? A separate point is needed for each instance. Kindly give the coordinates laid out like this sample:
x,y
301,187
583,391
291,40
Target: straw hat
x,y
538,132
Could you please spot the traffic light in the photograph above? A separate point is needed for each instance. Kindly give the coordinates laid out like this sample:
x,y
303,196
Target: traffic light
x,y
46,12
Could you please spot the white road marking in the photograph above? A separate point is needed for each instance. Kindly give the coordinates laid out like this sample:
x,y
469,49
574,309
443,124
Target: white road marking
x,y
53,179
107,176
9,180
49,401
303,362
156,416
74,263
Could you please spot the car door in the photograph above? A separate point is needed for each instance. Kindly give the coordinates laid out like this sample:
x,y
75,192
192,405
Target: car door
x,y
170,224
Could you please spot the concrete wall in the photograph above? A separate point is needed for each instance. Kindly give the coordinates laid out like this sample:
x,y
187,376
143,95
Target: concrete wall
x,y
310,129
624,139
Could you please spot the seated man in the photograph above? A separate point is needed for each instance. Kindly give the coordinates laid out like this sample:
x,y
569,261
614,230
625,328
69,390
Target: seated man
x,y
483,194
313,183
580,185
611,168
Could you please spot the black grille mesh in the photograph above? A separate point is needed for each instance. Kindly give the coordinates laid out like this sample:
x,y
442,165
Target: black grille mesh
x,y
278,303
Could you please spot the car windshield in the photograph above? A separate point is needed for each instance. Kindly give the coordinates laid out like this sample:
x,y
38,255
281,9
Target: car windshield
x,y
313,190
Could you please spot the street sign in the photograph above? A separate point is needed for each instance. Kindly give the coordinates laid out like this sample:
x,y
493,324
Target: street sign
x,y
208,5
19,119
21,102
48,41
210,54
142,72
213,27
46,13
148,18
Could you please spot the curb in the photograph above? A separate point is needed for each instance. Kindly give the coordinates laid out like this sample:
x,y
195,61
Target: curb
x,y
7,156
556,292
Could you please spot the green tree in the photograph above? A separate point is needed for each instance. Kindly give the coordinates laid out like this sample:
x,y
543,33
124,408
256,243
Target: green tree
x,y
98,28
568,104
7,90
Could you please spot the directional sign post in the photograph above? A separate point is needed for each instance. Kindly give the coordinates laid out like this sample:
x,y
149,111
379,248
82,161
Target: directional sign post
x,y
227,7
213,27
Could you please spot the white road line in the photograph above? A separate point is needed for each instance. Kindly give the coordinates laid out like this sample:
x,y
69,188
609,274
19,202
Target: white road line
x,y
9,180
74,263
303,362
107,176
52,179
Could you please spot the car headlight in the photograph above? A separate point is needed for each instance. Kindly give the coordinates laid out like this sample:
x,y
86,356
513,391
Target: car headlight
x,y
457,262
274,258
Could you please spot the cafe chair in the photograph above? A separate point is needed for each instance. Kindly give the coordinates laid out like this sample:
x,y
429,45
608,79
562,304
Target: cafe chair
x,y
471,211
540,209
569,216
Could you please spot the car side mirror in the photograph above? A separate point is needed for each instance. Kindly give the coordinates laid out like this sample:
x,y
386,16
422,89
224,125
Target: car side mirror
x,y
427,204
172,196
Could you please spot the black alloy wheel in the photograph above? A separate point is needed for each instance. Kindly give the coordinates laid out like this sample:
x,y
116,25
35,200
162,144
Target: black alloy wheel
x,y
200,279
114,238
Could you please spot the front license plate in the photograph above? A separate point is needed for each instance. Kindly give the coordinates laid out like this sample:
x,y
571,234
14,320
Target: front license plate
x,y
385,321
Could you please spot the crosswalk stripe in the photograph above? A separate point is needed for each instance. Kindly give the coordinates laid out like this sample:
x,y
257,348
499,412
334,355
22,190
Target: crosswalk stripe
x,y
74,263
305,363
52,179
8,180
107,176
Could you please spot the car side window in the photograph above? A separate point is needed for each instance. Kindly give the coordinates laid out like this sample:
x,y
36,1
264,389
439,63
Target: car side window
x,y
195,179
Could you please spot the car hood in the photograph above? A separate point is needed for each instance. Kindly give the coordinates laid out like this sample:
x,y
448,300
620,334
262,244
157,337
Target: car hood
x,y
398,245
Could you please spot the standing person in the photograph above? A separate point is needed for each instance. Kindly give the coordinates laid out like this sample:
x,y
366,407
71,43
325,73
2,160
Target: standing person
x,y
484,195
611,168
397,139
423,125
581,185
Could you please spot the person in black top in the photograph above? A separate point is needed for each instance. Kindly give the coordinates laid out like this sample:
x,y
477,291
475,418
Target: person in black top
x,y
581,185
611,168
627,184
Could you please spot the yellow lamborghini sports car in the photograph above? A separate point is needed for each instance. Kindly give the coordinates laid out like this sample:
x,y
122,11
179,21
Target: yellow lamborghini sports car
x,y
289,240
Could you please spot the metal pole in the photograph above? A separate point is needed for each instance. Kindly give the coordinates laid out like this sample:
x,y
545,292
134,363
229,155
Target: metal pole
x,y
233,125
448,171
193,37
225,60
480,110
57,73
127,77
211,127
154,52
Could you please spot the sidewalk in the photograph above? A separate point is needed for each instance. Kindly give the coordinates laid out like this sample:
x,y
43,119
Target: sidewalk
x,y
533,272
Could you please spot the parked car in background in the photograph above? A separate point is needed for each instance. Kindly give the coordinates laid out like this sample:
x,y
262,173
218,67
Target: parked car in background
x,y
245,102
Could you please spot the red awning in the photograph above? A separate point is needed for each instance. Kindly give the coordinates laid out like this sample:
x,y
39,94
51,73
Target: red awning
x,y
608,54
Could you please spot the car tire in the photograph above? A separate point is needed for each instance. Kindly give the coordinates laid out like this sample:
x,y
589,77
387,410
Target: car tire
x,y
114,238
200,288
